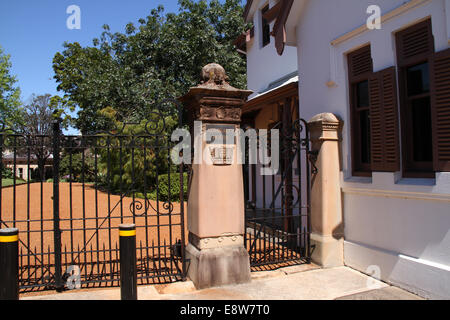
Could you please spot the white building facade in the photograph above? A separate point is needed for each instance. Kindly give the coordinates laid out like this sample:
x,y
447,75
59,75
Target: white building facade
x,y
396,208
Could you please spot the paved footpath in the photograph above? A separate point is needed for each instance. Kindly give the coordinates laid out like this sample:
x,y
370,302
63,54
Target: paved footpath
x,y
304,282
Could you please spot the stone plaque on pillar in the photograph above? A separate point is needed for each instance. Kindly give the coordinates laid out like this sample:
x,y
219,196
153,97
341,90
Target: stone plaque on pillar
x,y
215,215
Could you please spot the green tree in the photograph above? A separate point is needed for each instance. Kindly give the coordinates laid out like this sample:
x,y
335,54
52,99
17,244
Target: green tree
x,y
131,158
40,113
76,168
10,113
162,57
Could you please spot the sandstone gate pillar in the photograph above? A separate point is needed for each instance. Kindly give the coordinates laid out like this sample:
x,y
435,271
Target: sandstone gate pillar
x,y
215,215
327,234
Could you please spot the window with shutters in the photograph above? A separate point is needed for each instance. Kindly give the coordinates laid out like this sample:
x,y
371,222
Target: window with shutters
x,y
374,115
415,47
423,114
360,69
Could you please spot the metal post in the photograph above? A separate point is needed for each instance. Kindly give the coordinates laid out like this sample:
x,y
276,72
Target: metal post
x,y
56,229
128,268
9,264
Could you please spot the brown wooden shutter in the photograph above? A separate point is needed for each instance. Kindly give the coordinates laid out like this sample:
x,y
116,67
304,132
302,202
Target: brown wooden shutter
x,y
376,122
385,152
414,43
440,110
359,62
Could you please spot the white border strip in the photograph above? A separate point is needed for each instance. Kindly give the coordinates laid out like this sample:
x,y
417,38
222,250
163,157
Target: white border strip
x,y
398,194
447,17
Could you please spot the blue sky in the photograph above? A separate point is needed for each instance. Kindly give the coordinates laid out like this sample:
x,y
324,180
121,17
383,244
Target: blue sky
x,y
33,31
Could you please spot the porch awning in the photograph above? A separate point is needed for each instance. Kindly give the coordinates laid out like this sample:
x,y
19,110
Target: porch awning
x,y
276,91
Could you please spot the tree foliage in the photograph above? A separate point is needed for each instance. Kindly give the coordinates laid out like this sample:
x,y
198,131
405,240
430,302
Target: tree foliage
x,y
131,160
161,57
9,93
75,167
7,173
118,81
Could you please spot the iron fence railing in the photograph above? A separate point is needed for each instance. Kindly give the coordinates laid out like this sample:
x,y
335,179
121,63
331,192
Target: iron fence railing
x,y
277,215
68,194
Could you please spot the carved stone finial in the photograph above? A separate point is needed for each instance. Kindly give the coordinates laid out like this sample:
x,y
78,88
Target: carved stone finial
x,y
214,73
214,99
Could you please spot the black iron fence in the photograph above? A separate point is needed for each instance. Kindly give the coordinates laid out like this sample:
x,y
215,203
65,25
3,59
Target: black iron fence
x,y
277,215
68,224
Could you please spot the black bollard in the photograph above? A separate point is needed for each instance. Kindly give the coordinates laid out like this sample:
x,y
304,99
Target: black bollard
x,y
9,264
128,268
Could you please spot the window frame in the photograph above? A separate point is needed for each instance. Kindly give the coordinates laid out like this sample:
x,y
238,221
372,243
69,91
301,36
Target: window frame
x,y
265,33
358,168
411,168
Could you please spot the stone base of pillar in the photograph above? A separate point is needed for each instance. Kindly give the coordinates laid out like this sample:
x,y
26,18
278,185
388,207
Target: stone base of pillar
x,y
328,251
217,266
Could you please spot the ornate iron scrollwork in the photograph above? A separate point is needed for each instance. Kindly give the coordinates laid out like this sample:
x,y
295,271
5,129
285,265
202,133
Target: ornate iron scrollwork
x,y
312,158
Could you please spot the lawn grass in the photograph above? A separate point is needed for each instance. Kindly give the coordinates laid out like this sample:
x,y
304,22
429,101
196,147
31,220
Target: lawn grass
x,y
10,182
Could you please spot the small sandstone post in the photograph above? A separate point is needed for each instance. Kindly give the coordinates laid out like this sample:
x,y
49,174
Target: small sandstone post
x,y
215,215
326,211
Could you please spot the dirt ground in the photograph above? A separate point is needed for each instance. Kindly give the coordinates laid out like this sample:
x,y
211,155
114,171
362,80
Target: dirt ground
x,y
82,212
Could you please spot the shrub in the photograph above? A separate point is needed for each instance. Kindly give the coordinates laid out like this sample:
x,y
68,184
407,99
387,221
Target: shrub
x,y
7,173
132,161
163,187
75,170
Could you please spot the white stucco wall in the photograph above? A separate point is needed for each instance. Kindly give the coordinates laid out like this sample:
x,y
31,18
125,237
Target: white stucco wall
x,y
264,65
400,225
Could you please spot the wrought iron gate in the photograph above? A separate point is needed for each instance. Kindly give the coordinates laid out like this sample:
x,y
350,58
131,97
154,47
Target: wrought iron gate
x,y
68,224
277,215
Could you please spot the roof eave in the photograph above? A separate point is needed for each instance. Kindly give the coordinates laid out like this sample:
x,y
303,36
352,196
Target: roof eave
x,y
247,8
278,94
292,22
